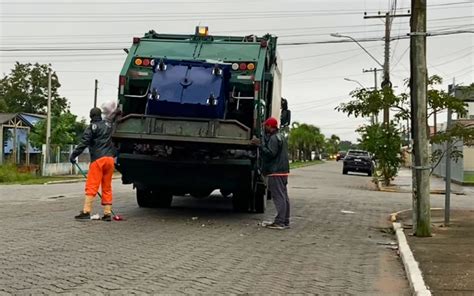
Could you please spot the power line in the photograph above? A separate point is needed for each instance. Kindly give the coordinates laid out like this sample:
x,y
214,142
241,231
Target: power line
x,y
373,39
135,3
326,54
126,43
453,60
318,28
401,57
174,19
322,66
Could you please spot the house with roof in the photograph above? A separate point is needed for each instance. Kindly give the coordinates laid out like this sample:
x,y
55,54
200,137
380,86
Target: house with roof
x,y
462,169
15,129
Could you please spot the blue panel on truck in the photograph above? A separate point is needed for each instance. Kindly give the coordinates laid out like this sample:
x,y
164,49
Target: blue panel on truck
x,y
188,89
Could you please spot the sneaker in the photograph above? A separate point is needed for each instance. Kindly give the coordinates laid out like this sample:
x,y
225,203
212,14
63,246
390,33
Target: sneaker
x,y
276,226
266,223
106,217
83,216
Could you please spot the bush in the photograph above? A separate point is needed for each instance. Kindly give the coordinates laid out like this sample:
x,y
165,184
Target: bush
x,y
384,142
10,173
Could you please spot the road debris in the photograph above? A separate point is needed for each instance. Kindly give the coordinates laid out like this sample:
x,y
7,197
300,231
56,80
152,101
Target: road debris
x,y
347,212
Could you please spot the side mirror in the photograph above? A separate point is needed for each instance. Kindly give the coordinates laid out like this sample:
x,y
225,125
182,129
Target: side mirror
x,y
285,118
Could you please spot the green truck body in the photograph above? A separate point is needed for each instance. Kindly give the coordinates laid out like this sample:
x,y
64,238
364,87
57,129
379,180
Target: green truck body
x,y
176,154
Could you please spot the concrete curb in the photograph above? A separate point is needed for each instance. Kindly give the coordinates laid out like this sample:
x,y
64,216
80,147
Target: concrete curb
x,y
412,269
82,179
64,181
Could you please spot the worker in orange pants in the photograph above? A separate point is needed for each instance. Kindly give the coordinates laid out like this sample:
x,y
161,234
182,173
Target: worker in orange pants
x,y
97,137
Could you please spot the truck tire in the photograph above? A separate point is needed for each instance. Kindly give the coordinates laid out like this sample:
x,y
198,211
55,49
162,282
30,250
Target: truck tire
x,y
162,198
260,202
260,199
200,194
225,193
144,198
240,201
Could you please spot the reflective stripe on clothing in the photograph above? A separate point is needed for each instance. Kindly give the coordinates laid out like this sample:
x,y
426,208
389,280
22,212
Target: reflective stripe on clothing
x,y
279,175
100,175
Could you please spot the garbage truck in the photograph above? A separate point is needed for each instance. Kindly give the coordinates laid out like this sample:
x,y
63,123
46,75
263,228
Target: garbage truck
x,y
190,105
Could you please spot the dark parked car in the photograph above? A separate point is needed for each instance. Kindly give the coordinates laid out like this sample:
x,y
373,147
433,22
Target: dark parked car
x,y
340,155
358,161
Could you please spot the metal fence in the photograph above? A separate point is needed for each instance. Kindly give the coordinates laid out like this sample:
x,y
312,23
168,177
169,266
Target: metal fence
x,y
457,167
56,161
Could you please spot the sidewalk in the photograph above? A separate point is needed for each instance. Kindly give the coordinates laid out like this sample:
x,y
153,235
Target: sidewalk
x,y
403,183
447,258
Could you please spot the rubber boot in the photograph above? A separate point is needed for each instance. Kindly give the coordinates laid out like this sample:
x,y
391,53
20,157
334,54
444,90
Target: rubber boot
x,y
85,214
107,213
88,201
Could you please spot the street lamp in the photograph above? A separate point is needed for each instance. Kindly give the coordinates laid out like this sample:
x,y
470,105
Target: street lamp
x,y
357,42
352,80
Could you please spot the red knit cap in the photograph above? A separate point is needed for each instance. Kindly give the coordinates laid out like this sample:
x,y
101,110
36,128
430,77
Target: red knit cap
x,y
271,122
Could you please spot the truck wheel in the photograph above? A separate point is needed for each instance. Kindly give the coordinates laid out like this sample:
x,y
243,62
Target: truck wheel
x,y
144,198
225,193
240,201
260,199
162,199
201,193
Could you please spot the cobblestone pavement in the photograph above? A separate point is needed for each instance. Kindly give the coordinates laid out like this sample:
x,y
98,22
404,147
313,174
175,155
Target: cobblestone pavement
x,y
201,246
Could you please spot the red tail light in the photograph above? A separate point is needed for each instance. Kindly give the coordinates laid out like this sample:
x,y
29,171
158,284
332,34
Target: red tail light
x,y
256,86
243,66
146,62
122,81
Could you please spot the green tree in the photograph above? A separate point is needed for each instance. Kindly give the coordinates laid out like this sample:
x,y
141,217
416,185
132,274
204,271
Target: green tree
x,y
25,89
368,102
384,143
346,145
333,144
65,130
303,140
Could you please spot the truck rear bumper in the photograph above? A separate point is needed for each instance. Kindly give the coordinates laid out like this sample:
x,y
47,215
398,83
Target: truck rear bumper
x,y
148,128
183,175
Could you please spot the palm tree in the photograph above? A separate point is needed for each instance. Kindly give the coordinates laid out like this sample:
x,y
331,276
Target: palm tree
x,y
303,140
333,143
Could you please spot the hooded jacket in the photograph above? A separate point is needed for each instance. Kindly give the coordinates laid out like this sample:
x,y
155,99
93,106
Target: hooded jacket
x,y
98,137
275,154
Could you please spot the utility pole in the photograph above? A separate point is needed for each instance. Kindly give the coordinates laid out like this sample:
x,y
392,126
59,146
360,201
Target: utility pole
x,y
48,120
447,197
95,92
418,93
375,70
386,84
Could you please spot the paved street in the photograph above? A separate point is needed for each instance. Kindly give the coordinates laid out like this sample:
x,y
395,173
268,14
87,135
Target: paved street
x,y
43,250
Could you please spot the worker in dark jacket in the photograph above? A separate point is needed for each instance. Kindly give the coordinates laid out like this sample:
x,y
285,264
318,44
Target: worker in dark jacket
x,y
276,167
97,137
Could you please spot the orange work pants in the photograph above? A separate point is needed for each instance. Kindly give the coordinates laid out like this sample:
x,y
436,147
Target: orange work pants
x,y
100,174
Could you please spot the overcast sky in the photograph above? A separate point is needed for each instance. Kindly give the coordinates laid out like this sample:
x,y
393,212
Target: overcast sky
x,y
313,79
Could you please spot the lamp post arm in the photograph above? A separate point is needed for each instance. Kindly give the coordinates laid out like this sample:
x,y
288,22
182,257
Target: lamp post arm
x,y
360,45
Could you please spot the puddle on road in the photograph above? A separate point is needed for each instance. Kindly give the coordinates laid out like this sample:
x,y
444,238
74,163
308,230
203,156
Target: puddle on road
x,y
55,197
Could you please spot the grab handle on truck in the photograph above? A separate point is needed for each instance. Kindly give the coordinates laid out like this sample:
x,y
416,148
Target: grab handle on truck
x,y
140,96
